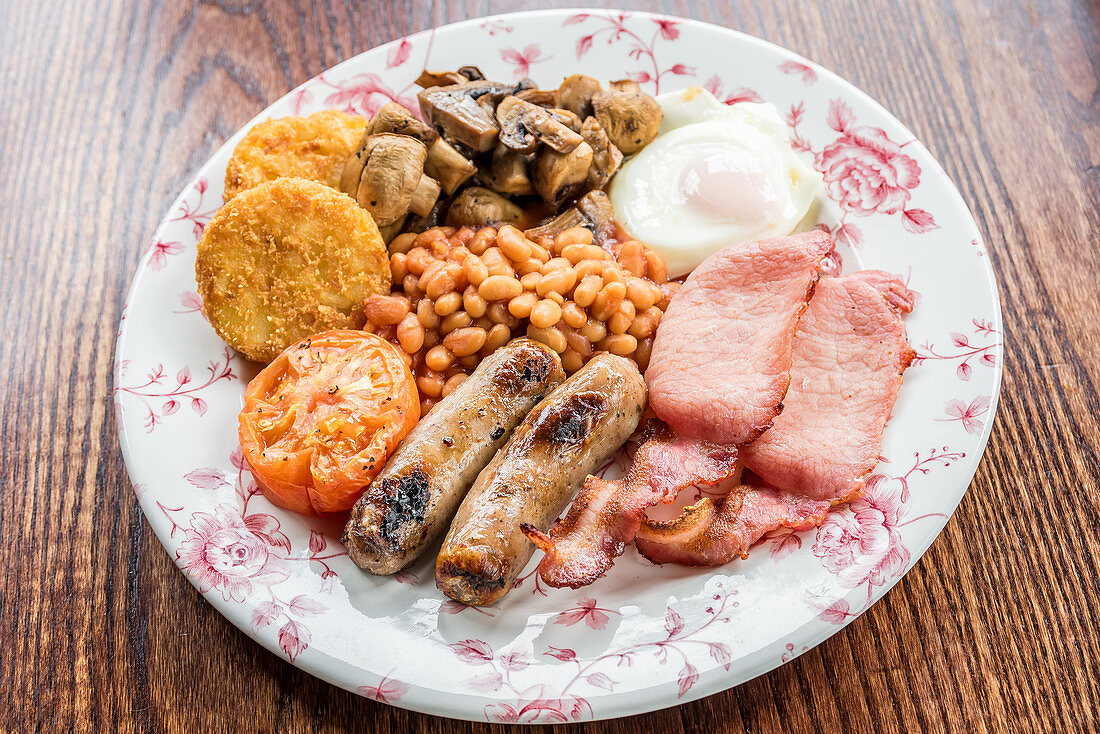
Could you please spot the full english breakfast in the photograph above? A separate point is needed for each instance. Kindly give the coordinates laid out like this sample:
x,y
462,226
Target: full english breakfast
x,y
465,310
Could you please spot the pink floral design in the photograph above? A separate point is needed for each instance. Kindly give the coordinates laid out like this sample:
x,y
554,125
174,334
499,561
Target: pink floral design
x,y
456,607
540,711
238,553
586,611
616,30
532,574
522,60
809,76
740,94
964,350
968,414
302,99
539,704
191,211
365,94
865,172
793,118
230,553
495,26
790,654
667,28
153,389
387,690
191,303
159,251
398,53
860,542
783,541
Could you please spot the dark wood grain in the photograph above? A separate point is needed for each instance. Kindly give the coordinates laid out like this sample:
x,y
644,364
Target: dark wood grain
x,y
107,108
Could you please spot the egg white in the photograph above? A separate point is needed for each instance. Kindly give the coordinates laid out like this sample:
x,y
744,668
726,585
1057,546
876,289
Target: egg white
x,y
658,199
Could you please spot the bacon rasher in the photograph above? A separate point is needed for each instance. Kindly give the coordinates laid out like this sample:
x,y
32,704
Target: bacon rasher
x,y
848,359
605,515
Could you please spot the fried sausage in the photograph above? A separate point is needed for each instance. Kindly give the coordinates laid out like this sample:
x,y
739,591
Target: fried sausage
x,y
574,430
411,501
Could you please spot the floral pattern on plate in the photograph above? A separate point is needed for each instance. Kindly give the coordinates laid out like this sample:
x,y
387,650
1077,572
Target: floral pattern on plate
x,y
645,636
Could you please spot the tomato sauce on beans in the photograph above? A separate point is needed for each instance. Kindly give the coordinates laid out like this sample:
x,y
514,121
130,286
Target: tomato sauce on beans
x,y
461,293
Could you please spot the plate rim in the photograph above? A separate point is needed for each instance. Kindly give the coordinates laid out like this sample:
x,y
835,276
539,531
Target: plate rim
x,y
611,705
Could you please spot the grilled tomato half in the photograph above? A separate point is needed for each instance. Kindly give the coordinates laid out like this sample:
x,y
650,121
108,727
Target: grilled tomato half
x,y
319,422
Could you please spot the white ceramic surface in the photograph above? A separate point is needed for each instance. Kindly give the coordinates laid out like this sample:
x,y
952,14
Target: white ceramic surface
x,y
644,637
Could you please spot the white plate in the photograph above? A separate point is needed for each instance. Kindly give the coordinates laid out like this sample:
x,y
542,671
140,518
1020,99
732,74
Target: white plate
x,y
645,637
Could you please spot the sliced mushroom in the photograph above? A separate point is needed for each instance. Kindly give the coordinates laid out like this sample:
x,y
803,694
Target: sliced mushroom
x,y
445,164
630,118
439,78
541,97
392,229
625,85
600,215
391,178
566,117
448,166
575,94
557,174
569,218
593,210
393,118
477,207
506,172
425,196
455,109
524,125
460,116
470,72
606,158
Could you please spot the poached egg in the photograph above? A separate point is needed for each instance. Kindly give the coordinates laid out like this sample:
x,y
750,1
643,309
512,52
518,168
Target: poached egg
x,y
714,175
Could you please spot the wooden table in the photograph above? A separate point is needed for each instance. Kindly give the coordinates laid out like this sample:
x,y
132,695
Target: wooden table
x,y
107,108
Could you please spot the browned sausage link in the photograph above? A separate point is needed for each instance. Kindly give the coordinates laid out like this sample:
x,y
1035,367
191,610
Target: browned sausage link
x,y
411,501
574,430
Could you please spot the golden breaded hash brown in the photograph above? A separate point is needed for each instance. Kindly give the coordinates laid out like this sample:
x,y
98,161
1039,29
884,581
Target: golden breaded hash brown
x,y
314,147
287,259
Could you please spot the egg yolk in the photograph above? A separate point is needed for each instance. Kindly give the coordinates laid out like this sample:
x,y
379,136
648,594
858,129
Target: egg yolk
x,y
732,186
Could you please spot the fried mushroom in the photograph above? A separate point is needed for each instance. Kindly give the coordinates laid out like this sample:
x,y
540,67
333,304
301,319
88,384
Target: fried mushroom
x,y
429,79
445,164
455,109
566,117
524,125
606,158
575,94
541,97
557,174
506,172
386,176
477,207
466,111
629,117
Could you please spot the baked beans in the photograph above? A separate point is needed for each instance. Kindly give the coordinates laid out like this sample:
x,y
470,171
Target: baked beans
x,y
460,294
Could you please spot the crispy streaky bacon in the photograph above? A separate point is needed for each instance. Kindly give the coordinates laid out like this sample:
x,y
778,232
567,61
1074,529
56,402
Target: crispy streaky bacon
x,y
706,534
849,356
605,515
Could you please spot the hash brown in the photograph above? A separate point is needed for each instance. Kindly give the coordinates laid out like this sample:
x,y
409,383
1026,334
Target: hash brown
x,y
313,147
287,259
